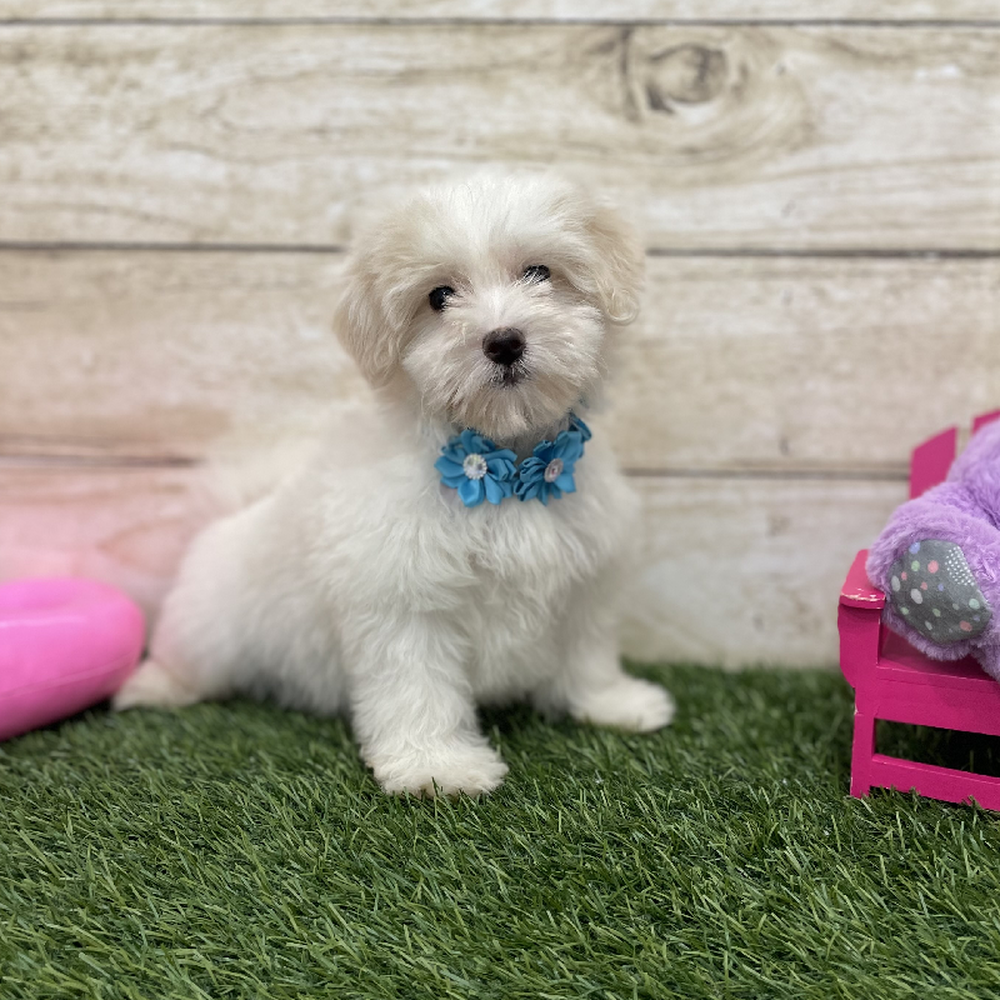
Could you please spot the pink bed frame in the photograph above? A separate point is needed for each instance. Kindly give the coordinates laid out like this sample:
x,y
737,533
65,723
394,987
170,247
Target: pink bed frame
x,y
893,681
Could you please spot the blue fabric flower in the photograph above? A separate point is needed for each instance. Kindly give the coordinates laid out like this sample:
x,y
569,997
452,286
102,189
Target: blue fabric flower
x,y
473,465
549,470
576,424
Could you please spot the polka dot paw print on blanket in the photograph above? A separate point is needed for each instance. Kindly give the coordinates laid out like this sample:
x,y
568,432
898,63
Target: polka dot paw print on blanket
x,y
933,588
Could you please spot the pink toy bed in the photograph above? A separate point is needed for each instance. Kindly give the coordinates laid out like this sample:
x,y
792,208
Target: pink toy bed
x,y
65,644
893,681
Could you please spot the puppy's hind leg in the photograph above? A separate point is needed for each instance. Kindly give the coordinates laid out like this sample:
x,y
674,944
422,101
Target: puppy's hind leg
x,y
182,666
154,686
202,633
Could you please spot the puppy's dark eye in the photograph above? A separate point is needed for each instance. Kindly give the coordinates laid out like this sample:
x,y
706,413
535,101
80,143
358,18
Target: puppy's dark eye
x,y
438,298
537,272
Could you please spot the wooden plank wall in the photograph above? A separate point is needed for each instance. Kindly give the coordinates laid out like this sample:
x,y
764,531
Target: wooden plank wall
x,y
820,198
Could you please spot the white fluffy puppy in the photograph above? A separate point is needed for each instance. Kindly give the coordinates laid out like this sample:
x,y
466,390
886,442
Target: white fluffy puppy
x,y
403,587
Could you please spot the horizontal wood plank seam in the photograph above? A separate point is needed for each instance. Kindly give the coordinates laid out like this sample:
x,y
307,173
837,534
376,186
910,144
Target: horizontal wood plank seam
x,y
72,246
831,253
97,463
887,475
676,22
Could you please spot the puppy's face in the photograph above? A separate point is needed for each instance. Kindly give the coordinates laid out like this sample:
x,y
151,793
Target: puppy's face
x,y
493,298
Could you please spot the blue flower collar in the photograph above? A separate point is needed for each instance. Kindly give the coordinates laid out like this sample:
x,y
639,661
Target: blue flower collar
x,y
479,470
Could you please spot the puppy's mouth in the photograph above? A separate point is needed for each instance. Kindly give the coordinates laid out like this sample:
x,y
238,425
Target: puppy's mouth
x,y
508,377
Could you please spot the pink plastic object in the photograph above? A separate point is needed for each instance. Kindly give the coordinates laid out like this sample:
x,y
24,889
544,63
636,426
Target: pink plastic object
x,y
65,644
892,681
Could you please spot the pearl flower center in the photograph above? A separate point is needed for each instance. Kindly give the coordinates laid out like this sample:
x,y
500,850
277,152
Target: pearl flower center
x,y
553,470
474,466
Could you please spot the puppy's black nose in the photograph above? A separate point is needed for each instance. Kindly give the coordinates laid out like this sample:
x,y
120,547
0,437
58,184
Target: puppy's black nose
x,y
504,346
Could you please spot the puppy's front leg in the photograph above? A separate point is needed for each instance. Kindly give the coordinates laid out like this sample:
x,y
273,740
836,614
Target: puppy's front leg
x,y
413,712
591,684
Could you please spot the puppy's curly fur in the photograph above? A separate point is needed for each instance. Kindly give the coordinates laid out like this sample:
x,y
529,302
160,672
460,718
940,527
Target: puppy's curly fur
x,y
363,585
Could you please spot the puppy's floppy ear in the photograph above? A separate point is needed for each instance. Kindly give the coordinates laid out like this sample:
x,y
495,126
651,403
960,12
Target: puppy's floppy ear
x,y
618,265
363,327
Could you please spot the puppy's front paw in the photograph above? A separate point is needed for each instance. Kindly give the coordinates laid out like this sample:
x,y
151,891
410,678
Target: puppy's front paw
x,y
455,769
631,703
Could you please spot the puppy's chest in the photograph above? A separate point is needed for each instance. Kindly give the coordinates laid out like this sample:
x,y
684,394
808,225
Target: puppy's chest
x,y
511,615
524,569
519,545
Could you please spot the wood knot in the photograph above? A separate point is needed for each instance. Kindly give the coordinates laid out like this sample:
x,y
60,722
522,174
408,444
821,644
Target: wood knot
x,y
685,74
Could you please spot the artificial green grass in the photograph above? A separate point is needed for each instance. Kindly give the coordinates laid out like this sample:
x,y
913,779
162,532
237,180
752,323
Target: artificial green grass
x,y
243,851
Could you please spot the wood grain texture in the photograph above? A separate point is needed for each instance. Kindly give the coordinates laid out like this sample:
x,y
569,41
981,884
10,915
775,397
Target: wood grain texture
x,y
157,355
804,139
736,572
528,10
746,366
790,177
127,527
807,365
743,572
